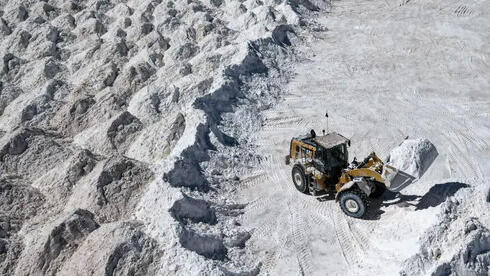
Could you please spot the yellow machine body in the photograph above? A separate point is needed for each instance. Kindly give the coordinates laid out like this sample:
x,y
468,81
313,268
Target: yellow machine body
x,y
321,165
373,170
305,153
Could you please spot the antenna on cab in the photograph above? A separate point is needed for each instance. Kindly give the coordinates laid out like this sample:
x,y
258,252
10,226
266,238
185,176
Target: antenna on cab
x,y
326,115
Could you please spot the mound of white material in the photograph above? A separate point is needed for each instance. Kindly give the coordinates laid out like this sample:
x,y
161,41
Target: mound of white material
x,y
456,246
413,156
100,99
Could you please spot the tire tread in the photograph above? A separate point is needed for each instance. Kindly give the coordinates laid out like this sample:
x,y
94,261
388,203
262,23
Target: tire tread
x,y
364,198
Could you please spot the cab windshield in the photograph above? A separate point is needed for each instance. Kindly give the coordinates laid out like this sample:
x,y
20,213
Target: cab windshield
x,y
337,156
333,157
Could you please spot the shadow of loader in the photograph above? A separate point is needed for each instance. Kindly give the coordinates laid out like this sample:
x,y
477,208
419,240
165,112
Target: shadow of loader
x,y
436,195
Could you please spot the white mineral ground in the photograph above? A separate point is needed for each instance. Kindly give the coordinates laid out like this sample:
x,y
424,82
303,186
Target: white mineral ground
x,y
384,70
148,137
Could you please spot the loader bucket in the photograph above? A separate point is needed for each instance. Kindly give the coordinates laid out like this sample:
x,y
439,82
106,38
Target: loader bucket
x,y
396,180
408,163
413,156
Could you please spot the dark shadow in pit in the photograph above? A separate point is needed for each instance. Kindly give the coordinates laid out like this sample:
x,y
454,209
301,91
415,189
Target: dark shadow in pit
x,y
436,195
488,195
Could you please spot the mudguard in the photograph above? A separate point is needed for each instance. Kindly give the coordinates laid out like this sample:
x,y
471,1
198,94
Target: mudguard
x,y
364,185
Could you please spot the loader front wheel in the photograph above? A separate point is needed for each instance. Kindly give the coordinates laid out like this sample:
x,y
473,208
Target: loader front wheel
x,y
353,203
299,179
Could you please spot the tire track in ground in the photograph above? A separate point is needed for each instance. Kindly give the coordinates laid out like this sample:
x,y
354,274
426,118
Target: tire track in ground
x,y
352,252
471,139
342,241
321,213
270,261
259,203
278,122
467,167
262,201
462,10
253,180
290,126
359,233
272,226
264,231
301,243
271,161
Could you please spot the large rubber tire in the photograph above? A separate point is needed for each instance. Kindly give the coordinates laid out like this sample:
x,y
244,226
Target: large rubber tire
x,y
299,179
354,203
378,190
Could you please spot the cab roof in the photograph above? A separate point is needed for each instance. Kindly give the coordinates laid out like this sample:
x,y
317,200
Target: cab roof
x,y
330,140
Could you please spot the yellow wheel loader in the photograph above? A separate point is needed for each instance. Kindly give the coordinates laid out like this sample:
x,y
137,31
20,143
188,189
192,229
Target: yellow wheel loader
x,y
320,165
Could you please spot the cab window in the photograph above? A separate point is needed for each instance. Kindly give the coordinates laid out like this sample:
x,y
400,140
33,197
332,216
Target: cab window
x,y
321,154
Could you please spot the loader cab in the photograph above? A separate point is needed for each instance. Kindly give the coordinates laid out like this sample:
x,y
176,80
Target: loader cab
x,y
327,153
327,159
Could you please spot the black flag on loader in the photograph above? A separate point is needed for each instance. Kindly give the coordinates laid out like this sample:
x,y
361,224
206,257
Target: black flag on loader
x,y
326,115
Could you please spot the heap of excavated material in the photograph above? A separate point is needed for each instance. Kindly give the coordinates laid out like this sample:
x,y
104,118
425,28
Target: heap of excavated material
x,y
413,156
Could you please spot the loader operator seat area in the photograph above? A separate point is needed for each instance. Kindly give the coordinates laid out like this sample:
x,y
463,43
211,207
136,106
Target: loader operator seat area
x,y
331,158
338,155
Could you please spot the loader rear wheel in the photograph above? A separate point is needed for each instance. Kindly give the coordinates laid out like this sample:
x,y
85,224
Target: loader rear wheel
x,y
354,203
299,179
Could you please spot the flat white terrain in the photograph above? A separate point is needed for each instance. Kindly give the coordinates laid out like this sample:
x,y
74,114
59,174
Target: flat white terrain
x,y
384,70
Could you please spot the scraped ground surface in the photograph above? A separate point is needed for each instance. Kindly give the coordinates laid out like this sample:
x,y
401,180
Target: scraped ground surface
x,y
384,70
